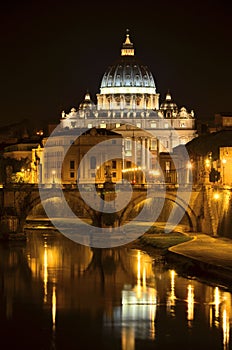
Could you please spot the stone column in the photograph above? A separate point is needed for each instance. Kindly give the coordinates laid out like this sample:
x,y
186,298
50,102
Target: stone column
x,y
122,104
134,152
133,102
143,159
148,160
143,152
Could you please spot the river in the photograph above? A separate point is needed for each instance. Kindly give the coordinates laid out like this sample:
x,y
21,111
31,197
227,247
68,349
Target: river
x,y
57,294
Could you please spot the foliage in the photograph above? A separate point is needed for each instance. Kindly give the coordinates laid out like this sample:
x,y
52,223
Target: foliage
x,y
10,166
164,240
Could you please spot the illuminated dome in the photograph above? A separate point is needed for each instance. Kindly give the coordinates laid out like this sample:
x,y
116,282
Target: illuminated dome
x,y
87,108
169,108
87,103
127,75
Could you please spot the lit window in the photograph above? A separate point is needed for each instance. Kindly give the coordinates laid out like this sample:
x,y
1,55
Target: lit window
x,y
102,125
167,166
153,145
153,125
128,145
138,125
166,125
90,126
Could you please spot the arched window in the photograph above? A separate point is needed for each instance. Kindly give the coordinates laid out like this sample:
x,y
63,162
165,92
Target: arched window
x,y
93,162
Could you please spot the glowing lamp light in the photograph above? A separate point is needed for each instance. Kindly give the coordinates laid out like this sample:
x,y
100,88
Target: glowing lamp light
x,y
53,176
189,165
224,161
154,172
216,196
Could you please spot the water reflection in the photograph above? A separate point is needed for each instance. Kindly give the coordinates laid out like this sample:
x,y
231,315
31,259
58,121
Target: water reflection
x,y
217,304
55,292
53,308
190,301
45,274
139,302
171,297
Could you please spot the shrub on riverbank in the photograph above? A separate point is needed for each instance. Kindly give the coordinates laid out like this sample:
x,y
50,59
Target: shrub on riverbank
x,y
163,240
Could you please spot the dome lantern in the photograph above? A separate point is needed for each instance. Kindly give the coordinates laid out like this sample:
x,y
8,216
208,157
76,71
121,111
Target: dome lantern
x,y
127,46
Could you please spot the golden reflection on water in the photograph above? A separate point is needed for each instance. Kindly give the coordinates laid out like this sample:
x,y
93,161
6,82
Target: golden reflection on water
x,y
221,314
217,304
226,318
171,299
139,304
54,307
138,275
45,274
139,300
123,284
190,301
226,329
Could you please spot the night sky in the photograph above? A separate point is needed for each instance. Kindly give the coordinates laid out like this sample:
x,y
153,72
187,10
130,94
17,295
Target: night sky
x,y
53,51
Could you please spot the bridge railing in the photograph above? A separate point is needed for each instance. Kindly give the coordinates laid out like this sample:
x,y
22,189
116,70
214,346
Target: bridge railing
x,y
89,187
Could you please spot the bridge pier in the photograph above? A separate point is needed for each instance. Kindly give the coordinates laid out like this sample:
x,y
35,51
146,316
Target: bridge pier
x,y
9,224
12,211
108,195
217,204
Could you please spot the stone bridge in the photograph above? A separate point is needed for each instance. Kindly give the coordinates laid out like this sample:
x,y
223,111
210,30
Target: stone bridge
x,y
201,208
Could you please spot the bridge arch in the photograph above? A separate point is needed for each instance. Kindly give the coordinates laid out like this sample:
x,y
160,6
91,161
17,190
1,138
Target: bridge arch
x,y
75,202
27,198
136,203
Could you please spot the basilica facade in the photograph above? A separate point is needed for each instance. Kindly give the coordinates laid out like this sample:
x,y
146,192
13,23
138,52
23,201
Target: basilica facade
x,y
129,113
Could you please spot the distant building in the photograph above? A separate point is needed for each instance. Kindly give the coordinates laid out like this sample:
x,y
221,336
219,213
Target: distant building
x,y
127,106
223,121
225,158
20,150
70,155
210,157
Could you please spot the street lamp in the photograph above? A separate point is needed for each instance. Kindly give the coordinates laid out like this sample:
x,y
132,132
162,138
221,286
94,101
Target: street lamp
x,y
223,170
216,196
53,176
